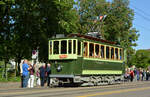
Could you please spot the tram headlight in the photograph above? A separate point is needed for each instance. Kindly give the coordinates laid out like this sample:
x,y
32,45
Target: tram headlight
x,y
59,68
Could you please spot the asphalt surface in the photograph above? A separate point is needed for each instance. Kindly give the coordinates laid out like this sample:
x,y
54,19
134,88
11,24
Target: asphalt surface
x,y
134,89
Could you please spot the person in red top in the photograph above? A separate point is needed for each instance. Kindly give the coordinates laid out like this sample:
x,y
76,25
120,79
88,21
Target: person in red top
x,y
131,75
31,78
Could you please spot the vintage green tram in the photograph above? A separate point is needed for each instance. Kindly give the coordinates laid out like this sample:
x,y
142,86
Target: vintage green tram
x,y
85,60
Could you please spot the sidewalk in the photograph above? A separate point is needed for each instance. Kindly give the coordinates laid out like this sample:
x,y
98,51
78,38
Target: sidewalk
x,y
10,85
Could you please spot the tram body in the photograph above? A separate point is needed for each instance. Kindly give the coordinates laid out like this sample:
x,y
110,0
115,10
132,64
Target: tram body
x,y
85,60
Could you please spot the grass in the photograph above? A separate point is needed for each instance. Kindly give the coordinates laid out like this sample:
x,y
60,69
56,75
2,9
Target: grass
x,y
11,79
10,74
1,63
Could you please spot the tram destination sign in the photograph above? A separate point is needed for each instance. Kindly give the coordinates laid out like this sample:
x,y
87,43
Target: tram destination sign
x,y
63,56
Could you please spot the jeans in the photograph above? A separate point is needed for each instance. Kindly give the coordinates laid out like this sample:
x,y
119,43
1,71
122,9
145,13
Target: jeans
x,y
42,81
25,80
48,81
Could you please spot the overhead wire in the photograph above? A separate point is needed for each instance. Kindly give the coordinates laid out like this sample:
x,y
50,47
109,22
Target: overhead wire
x,y
140,10
142,14
145,28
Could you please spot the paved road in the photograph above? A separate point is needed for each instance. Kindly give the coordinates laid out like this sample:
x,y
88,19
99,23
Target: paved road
x,y
136,89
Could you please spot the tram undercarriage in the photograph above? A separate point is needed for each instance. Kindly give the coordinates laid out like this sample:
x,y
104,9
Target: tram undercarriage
x,y
94,80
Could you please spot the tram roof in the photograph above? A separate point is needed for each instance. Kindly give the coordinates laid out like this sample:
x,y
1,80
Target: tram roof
x,y
91,38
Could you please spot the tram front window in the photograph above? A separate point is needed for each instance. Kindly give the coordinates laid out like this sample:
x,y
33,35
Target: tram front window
x,y
56,47
74,46
63,47
50,45
70,46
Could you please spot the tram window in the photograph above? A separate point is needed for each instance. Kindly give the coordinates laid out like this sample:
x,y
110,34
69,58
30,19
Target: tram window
x,y
50,49
91,50
74,46
112,53
102,51
56,47
96,50
107,52
116,53
121,57
79,48
85,49
63,47
70,47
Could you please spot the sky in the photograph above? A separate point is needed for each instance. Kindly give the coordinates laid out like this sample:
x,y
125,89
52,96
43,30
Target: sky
x,y
141,22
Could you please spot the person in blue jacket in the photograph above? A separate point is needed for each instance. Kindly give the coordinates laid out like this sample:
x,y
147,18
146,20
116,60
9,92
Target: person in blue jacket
x,y
25,73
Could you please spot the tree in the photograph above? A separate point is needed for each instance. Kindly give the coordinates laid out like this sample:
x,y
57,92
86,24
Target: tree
x,y
141,59
117,25
58,17
6,33
36,21
90,12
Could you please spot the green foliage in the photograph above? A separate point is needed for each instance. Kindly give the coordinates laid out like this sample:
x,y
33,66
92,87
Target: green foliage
x,y
58,17
88,12
141,59
2,3
11,79
26,25
116,26
11,76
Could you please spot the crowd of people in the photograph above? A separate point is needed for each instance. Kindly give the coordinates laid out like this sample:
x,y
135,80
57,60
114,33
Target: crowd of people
x,y
33,75
136,74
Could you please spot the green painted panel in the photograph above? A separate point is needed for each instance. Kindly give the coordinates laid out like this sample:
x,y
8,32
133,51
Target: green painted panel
x,y
66,66
106,60
80,66
101,72
69,66
101,65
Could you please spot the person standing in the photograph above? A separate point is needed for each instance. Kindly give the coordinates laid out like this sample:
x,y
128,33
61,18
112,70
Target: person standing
x,y
21,72
48,71
147,75
42,74
135,74
138,74
31,77
25,73
143,74
131,75
37,74
38,81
